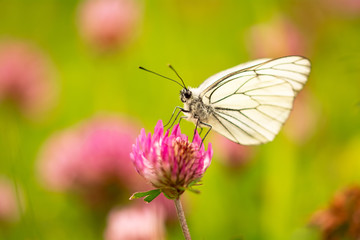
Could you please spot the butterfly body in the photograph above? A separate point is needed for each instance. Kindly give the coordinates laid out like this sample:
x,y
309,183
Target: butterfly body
x,y
250,102
194,108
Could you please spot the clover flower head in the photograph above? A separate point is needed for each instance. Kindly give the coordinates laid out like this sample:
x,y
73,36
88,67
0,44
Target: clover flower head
x,y
287,40
170,162
109,24
26,77
90,155
9,204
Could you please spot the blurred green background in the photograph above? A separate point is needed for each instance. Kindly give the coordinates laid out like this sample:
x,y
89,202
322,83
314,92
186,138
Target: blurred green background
x,y
277,188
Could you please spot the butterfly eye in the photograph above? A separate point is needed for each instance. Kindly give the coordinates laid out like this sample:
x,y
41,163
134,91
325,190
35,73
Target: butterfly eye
x,y
185,94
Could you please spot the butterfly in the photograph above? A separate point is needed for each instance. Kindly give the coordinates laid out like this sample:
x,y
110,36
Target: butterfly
x,y
248,103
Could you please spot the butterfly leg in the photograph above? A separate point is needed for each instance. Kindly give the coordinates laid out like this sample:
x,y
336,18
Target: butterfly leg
x,y
210,127
176,116
181,118
201,129
176,108
173,122
196,126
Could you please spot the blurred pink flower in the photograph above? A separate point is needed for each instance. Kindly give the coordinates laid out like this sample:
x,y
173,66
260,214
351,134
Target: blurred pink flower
x,y
26,78
167,207
231,153
170,162
91,156
9,210
135,223
347,7
278,37
108,24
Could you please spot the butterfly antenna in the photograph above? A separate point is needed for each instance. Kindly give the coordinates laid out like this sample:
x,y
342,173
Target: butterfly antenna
x,y
147,70
172,68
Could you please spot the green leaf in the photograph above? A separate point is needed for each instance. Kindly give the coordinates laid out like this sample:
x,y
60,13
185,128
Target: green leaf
x,y
148,196
152,196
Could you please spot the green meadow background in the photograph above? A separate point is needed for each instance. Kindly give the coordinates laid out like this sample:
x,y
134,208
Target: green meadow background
x,y
281,185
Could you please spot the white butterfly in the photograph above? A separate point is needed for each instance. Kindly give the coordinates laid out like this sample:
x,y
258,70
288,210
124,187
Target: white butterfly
x,y
248,103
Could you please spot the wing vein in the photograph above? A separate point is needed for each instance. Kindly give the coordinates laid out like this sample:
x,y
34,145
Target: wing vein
x,y
275,119
241,128
216,117
258,88
256,122
226,83
281,77
287,70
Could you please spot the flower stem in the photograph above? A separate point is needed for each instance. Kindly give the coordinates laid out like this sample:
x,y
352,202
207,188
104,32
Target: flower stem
x,y
182,220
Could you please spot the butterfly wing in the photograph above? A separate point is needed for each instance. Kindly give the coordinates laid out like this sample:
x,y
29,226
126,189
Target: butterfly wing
x,y
214,78
252,103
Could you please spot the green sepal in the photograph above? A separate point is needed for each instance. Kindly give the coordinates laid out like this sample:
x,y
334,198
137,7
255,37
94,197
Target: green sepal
x,y
167,196
148,196
193,190
196,182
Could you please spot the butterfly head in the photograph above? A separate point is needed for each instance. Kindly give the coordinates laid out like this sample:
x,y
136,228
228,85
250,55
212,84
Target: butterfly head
x,y
185,95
